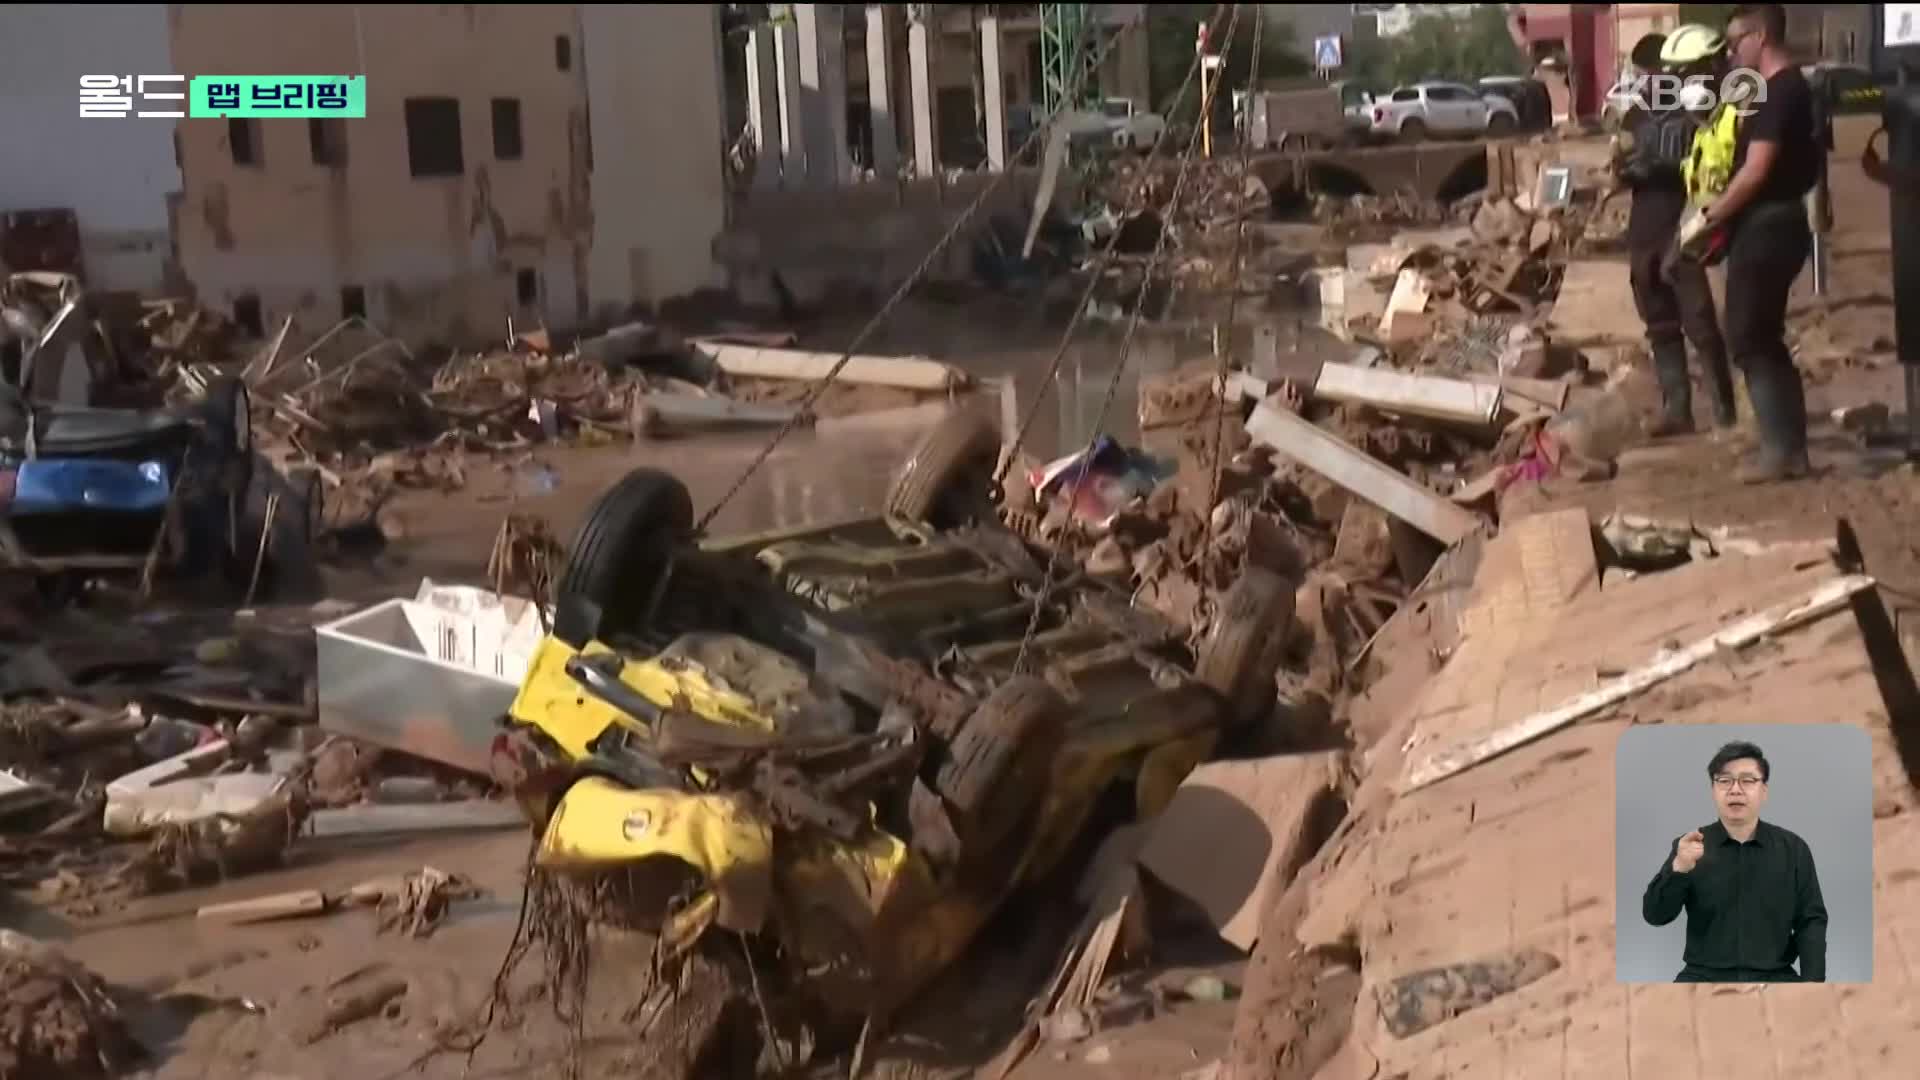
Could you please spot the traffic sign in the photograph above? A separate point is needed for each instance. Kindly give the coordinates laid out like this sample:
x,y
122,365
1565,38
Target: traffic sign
x,y
1326,51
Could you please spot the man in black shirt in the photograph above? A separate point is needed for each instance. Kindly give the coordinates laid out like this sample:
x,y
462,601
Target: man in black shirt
x,y
1748,887
1776,161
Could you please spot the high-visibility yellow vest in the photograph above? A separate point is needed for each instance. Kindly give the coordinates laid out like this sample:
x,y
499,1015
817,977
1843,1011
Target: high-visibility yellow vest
x,y
1708,166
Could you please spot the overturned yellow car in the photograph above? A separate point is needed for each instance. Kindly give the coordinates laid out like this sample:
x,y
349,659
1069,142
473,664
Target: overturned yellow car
x,y
852,740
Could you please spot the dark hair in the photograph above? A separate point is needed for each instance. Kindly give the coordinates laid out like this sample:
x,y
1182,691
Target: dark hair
x,y
1734,751
1771,17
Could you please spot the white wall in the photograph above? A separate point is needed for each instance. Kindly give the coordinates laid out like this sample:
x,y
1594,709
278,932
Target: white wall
x,y
114,174
654,101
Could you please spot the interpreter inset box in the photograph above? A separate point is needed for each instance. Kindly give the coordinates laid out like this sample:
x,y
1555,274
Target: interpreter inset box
x,y
1743,853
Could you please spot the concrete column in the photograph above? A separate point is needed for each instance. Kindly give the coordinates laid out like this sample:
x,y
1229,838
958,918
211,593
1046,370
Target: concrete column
x,y
763,104
793,152
920,41
823,91
993,84
886,144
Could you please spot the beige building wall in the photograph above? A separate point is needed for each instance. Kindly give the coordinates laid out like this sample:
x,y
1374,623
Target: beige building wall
x,y
454,257
659,150
444,257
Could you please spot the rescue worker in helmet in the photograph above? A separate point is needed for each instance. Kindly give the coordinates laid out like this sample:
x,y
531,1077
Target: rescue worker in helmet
x,y
1673,297
1776,160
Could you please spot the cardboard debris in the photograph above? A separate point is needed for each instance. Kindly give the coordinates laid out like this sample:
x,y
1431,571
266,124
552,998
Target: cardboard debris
x,y
1406,316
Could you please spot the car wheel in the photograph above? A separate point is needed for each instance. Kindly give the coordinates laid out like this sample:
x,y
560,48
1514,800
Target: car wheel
x,y
621,551
1240,656
995,773
1413,130
952,460
229,417
1500,124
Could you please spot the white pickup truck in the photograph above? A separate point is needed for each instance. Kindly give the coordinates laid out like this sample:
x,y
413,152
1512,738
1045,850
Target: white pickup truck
x,y
1441,108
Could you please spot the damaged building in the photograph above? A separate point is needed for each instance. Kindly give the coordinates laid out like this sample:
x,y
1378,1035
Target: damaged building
x,y
465,197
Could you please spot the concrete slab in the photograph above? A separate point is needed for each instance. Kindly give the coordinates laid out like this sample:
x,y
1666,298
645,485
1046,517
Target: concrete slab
x,y
1595,305
1516,854
1235,833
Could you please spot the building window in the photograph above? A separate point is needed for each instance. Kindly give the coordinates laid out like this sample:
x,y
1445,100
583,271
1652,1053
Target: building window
x,y
433,137
506,129
327,140
246,315
526,285
353,302
243,139
562,53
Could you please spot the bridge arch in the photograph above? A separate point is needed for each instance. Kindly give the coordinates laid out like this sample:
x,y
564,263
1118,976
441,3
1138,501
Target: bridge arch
x,y
1334,178
1467,177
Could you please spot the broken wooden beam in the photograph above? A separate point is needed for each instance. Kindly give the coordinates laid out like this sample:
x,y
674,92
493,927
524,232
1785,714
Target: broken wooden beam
x,y
1410,395
661,414
903,372
1360,474
372,819
1548,393
286,905
1824,600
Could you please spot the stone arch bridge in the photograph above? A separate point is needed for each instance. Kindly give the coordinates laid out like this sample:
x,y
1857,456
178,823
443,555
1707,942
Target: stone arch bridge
x,y
1432,170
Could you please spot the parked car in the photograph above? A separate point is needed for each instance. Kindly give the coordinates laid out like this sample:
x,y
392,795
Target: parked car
x,y
1529,98
1845,88
1132,127
1442,108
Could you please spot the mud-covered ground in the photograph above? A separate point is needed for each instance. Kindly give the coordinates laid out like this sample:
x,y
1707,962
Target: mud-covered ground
x,y
272,1000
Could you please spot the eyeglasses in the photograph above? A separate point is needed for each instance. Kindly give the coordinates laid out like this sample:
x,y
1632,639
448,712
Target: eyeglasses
x,y
1747,783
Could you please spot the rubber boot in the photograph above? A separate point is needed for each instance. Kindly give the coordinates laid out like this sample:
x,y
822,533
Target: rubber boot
x,y
1776,403
1676,392
1720,383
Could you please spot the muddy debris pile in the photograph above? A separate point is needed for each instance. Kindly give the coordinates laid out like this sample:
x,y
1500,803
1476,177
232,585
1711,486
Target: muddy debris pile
x,y
56,1017
154,752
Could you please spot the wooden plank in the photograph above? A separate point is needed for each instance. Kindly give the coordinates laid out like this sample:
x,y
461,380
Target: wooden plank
x,y
370,819
1824,600
1410,395
678,412
1360,474
1549,393
905,372
285,905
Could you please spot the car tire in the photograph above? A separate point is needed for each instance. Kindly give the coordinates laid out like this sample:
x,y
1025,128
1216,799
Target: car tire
x,y
227,411
1412,130
961,448
306,485
1241,653
229,417
995,772
1500,124
622,549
